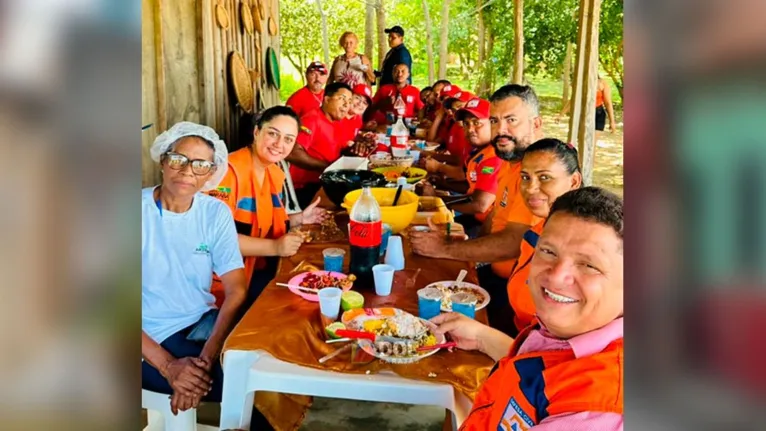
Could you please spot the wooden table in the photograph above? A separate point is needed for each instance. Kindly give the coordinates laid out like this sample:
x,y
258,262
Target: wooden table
x,y
288,328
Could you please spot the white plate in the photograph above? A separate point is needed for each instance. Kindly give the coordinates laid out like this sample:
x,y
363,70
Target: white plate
x,y
366,345
471,286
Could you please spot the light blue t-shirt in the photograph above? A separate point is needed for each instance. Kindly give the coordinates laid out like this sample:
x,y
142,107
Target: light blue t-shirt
x,y
179,253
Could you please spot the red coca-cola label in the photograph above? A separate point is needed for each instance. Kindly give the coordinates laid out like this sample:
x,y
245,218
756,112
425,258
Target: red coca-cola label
x,y
365,234
399,141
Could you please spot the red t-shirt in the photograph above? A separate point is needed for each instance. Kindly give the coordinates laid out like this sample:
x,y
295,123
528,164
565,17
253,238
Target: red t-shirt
x,y
318,137
348,128
457,144
304,101
410,96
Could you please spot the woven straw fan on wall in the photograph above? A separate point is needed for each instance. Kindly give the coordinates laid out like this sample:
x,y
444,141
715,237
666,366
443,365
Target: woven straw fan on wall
x,y
221,15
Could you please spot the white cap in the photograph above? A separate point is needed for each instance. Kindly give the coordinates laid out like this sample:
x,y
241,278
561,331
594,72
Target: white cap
x,y
165,141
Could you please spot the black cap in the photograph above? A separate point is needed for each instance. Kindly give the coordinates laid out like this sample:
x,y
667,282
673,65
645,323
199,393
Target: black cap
x,y
396,29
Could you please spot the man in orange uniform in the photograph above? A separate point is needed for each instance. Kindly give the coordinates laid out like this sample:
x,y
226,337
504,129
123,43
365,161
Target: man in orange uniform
x,y
318,144
564,373
310,97
516,124
480,171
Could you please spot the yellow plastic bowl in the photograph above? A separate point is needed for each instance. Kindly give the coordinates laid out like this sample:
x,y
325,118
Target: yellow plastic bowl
x,y
400,216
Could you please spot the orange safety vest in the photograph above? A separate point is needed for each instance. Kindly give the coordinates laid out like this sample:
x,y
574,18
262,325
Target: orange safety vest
x,y
523,390
518,289
509,207
258,211
472,177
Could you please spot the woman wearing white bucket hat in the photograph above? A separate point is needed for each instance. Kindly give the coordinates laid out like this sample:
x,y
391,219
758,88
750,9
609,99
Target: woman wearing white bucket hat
x,y
186,236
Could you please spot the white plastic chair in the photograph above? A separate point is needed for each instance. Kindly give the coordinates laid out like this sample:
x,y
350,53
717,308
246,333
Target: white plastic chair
x,y
161,418
263,372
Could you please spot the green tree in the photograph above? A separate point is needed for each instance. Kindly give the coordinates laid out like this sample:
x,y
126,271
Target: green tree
x,y
610,42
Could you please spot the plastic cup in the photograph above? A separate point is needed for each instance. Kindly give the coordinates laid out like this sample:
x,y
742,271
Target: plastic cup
x,y
415,155
333,259
386,233
384,279
329,302
464,303
395,253
429,302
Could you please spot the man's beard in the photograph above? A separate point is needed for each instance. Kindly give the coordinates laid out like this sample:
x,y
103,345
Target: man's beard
x,y
513,155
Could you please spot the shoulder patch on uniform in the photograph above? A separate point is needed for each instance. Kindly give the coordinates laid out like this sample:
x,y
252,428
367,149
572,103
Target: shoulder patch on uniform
x,y
487,170
306,130
220,193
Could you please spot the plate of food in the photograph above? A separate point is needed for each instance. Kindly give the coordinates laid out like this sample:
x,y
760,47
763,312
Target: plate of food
x,y
403,334
452,287
319,280
393,173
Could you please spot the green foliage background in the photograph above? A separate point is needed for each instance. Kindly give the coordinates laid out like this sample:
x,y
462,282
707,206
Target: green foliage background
x,y
548,26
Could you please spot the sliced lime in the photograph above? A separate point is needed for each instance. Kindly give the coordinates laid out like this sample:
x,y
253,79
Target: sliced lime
x,y
332,327
351,300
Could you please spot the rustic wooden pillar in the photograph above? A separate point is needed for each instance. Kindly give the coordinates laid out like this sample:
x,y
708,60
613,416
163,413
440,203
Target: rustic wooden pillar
x,y
582,121
206,55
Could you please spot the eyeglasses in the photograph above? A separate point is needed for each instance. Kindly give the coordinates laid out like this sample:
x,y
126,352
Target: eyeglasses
x,y
178,162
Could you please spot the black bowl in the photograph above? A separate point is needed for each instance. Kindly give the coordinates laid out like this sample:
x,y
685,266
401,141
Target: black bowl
x,y
338,183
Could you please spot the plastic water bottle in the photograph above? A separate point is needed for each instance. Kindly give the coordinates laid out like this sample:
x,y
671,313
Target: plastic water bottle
x,y
399,134
365,235
399,106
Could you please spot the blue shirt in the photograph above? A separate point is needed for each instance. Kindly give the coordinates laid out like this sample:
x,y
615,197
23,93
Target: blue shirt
x,y
179,253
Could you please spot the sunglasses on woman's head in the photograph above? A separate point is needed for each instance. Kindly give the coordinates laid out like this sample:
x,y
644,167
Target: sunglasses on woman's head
x,y
179,162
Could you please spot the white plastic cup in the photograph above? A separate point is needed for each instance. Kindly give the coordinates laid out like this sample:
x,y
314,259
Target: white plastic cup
x,y
395,253
384,279
329,302
415,154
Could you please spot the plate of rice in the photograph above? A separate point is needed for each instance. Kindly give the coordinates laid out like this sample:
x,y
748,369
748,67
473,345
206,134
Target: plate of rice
x,y
393,322
452,287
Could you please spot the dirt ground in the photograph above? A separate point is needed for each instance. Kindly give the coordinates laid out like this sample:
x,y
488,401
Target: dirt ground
x,y
607,171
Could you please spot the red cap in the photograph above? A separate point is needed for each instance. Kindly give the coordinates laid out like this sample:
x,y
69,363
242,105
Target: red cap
x,y
477,107
364,91
317,65
449,90
463,96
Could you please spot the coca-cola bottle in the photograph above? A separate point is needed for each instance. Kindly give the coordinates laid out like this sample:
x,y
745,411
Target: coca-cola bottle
x,y
365,233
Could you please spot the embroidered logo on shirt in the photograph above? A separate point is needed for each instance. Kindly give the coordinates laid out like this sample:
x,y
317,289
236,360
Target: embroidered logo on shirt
x,y
514,418
504,201
472,176
202,249
487,170
409,99
221,193
306,130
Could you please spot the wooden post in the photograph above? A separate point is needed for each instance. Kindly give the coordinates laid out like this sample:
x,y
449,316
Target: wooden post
x,y
382,38
567,75
518,35
583,119
369,31
206,58
159,52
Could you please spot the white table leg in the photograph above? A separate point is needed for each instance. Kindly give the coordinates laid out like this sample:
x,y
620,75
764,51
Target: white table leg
x,y
236,401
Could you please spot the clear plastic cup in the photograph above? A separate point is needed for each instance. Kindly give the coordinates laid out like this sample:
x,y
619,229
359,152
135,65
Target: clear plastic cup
x,y
395,252
429,302
384,279
464,303
333,259
386,233
329,302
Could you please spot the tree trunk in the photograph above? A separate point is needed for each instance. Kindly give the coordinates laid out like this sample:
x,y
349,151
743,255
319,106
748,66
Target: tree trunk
x,y
518,36
297,66
369,31
444,40
487,78
382,39
566,76
429,43
583,112
325,38
480,14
